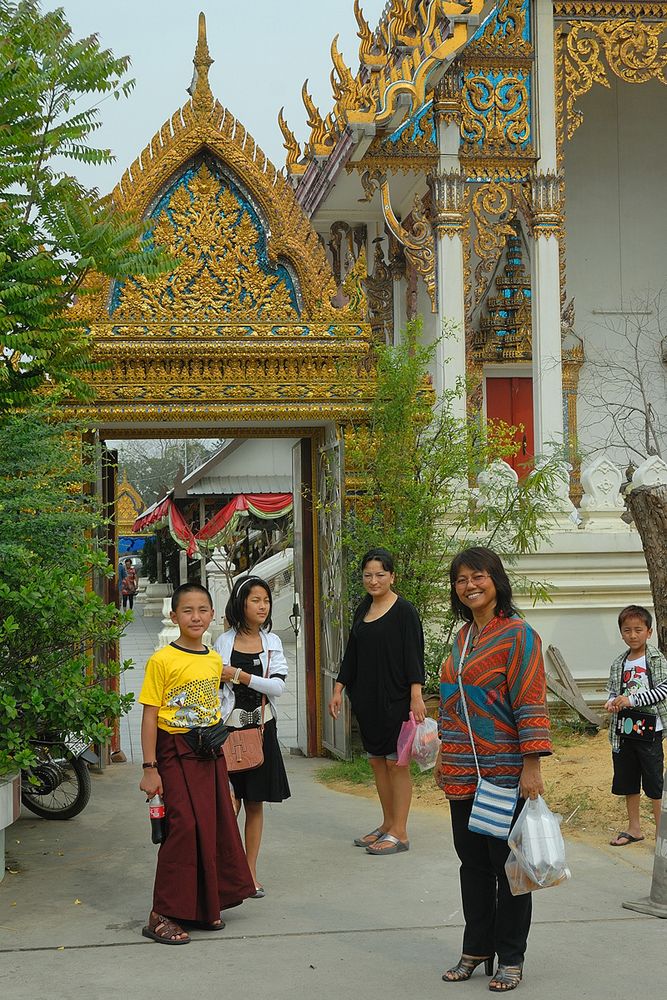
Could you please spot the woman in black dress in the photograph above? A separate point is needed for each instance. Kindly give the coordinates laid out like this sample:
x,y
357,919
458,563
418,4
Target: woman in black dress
x,y
383,673
254,666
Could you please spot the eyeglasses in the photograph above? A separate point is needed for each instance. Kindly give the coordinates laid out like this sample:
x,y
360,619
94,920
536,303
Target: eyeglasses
x,y
476,579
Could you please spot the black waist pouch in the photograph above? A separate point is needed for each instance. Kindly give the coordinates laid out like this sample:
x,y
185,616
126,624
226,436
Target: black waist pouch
x,y
206,741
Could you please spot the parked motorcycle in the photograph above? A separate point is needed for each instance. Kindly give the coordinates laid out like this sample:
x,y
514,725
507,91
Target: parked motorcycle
x,y
58,785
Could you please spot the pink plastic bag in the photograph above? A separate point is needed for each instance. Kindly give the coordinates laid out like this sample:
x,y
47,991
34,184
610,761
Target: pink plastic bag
x,y
405,740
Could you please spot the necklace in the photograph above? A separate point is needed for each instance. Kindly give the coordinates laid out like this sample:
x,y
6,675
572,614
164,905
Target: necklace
x,y
476,631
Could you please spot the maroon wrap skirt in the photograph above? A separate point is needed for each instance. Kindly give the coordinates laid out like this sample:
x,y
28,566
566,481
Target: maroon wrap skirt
x,y
201,866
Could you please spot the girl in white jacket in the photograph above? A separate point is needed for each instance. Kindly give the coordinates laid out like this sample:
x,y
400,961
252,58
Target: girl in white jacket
x,y
254,665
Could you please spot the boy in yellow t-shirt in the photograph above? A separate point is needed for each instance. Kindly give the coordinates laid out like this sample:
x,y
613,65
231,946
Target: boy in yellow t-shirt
x,y
201,865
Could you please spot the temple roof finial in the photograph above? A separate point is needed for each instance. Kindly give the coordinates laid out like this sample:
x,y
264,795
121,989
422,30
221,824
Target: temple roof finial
x,y
200,89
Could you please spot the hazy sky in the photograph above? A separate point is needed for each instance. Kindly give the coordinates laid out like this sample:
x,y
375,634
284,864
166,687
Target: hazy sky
x,y
263,52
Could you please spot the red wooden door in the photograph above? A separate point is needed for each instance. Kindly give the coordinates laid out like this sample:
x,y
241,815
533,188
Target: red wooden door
x,y
511,400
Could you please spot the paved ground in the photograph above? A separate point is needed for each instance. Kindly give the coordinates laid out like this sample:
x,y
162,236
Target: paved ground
x,y
335,924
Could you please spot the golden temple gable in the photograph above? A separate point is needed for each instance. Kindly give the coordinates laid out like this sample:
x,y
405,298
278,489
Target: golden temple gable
x,y
244,327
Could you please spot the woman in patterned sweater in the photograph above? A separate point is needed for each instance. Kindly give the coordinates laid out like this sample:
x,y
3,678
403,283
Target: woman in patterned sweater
x,y
504,683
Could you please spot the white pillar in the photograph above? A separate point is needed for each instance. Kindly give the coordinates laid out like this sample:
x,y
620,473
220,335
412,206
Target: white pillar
x,y
547,227
447,185
547,361
545,82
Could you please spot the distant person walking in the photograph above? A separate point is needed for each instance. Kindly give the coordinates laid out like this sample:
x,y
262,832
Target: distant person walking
x,y
383,673
129,585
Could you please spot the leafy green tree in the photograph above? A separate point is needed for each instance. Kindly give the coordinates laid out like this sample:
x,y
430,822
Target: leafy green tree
x,y
417,461
152,466
52,623
55,234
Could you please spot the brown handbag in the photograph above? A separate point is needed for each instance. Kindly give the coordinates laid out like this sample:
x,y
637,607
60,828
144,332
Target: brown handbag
x,y
244,748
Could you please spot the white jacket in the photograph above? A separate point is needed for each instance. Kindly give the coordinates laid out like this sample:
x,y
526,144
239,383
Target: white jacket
x,y
277,665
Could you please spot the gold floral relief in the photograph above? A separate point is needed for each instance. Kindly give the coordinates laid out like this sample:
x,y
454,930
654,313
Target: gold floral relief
x,y
244,328
217,240
496,112
633,50
493,211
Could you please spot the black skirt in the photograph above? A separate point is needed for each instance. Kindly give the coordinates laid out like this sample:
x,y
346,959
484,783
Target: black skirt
x,y
268,782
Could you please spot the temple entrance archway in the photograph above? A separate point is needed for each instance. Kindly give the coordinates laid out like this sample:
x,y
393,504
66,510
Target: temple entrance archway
x,y
247,336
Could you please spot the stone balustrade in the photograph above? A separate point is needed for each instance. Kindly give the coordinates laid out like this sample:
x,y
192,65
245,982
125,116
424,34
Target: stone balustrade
x,y
603,483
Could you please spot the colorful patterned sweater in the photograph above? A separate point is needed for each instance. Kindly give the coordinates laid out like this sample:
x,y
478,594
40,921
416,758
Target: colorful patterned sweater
x,y
504,683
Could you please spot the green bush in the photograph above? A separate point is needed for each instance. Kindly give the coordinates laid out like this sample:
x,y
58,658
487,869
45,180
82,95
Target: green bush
x,y
54,627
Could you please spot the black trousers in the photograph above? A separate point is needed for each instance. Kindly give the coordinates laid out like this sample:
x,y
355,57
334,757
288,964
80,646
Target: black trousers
x,y
495,920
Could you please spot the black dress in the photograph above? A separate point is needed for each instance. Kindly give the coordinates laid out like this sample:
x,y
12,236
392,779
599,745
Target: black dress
x,y
382,659
268,782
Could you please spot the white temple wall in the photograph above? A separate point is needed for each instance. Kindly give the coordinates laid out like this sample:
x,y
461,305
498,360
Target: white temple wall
x,y
591,576
616,219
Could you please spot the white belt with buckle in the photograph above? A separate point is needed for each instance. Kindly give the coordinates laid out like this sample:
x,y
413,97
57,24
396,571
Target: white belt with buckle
x,y
240,718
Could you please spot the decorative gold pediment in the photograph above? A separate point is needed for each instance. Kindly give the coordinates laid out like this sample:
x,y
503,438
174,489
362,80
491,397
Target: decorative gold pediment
x,y
207,222
128,506
204,125
244,326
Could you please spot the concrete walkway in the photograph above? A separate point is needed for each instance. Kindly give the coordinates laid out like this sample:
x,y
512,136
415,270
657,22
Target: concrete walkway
x,y
336,923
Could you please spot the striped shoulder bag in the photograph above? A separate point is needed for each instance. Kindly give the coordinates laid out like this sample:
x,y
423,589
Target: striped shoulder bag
x,y
493,806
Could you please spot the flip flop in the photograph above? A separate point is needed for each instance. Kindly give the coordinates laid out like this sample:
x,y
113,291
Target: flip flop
x,y
365,842
259,893
398,846
629,839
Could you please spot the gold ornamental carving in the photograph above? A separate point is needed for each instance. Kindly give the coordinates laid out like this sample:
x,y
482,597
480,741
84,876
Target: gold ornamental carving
x,y
589,51
447,97
418,242
245,327
503,34
203,123
448,201
413,38
380,295
496,115
293,162
493,210
546,204
211,232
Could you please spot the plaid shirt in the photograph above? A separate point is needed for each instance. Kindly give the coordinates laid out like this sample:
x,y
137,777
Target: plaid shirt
x,y
656,696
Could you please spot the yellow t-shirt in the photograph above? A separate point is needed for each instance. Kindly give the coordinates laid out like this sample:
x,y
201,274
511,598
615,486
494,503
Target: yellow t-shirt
x,y
184,685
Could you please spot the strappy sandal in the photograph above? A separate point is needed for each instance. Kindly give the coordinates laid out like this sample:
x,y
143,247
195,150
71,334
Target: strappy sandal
x,y
365,841
164,931
507,978
465,967
396,846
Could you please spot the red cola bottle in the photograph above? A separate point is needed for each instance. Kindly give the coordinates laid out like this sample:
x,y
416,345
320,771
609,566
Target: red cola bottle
x,y
158,824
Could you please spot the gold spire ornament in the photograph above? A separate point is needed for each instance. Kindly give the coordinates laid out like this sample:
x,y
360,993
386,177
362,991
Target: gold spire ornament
x,y
200,88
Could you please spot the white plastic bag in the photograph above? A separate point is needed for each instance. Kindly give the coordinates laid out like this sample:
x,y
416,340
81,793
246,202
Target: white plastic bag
x,y
537,850
426,744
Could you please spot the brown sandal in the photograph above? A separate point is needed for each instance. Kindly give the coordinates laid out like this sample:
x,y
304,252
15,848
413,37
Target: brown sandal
x,y
163,930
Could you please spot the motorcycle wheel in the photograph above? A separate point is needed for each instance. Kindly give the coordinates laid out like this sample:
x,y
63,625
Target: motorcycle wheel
x,y
64,792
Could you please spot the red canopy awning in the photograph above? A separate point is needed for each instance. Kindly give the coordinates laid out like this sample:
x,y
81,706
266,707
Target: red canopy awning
x,y
165,512
224,524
